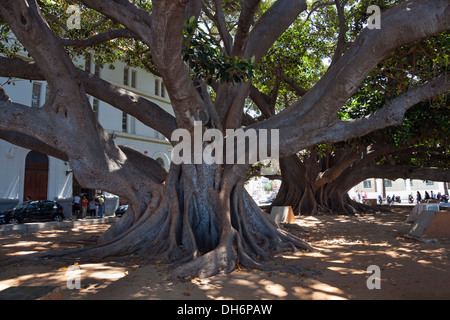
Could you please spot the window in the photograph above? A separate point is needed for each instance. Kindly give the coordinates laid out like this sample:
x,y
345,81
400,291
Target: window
x,y
157,87
125,76
124,122
48,205
163,90
36,95
388,183
367,184
33,206
133,78
132,125
95,105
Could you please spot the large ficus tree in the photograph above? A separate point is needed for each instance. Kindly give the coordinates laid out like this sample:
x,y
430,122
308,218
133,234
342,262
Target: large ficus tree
x,y
198,216
317,180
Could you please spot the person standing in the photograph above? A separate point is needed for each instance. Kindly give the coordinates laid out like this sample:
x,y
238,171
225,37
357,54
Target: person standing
x,y
76,206
101,206
84,206
92,207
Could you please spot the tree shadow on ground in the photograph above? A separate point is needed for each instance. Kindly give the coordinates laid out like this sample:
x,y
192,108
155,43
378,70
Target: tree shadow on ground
x,y
346,247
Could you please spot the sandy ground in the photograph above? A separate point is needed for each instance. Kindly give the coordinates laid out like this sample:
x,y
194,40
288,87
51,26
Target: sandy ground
x,y
346,247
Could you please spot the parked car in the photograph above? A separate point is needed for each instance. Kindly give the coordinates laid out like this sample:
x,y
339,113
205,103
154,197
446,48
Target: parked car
x,y
120,211
33,211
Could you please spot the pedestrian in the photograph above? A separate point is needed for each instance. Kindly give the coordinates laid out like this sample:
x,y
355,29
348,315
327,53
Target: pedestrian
x,y
84,206
432,195
92,207
101,206
427,196
76,206
418,197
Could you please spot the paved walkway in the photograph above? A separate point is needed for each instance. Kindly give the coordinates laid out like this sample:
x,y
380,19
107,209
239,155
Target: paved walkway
x,y
27,228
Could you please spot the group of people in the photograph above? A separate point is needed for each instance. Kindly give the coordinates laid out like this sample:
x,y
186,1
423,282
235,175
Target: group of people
x,y
360,196
95,207
428,196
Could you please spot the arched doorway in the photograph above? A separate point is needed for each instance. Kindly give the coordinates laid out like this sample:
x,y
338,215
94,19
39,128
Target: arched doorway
x,y
36,176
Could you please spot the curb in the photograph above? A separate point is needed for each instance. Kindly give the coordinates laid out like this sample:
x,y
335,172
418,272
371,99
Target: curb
x,y
27,228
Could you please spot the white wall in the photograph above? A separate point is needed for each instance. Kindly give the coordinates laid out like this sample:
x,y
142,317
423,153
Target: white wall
x,y
400,187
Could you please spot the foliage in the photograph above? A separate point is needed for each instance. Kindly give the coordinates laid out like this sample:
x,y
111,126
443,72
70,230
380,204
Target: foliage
x,y
207,61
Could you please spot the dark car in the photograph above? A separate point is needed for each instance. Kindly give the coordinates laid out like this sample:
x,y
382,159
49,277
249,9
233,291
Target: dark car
x,y
33,211
120,211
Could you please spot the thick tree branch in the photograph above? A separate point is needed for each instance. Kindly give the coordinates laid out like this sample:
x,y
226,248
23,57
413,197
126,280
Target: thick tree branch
x,y
391,114
147,112
333,172
294,85
167,38
17,118
309,120
135,19
245,21
28,25
341,41
394,172
262,100
19,68
142,109
98,39
219,20
271,26
25,141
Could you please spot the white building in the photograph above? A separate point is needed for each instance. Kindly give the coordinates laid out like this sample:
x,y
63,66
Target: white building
x,y
400,187
25,173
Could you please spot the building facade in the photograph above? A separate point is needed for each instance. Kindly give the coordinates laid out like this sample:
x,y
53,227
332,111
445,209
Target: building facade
x,y
372,188
26,173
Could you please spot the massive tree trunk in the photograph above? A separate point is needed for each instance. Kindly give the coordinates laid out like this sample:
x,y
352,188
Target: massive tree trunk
x,y
202,224
292,187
